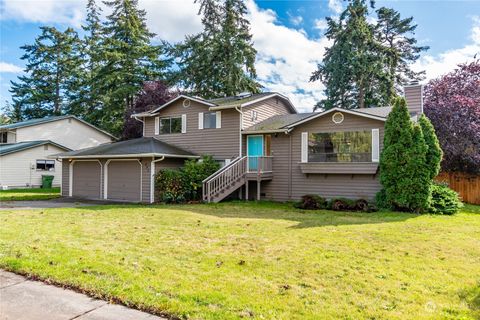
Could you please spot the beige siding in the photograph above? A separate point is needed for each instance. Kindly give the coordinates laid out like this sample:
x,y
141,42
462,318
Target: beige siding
x,y
287,171
222,143
265,109
414,97
70,133
16,168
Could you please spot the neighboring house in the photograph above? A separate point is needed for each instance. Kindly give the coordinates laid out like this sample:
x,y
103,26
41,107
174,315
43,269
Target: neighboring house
x,y
267,149
26,148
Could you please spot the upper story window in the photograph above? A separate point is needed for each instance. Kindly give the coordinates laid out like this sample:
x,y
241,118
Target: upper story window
x,y
209,120
45,165
170,125
344,146
4,137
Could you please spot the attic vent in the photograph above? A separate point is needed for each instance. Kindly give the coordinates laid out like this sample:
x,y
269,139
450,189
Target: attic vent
x,y
186,103
337,117
243,95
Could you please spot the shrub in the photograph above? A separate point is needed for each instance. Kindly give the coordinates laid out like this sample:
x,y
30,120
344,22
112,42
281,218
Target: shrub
x,y
170,186
195,172
434,152
312,202
341,204
381,200
444,200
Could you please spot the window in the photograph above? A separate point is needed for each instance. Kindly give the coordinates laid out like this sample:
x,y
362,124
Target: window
x,y
170,125
209,120
347,146
3,137
46,165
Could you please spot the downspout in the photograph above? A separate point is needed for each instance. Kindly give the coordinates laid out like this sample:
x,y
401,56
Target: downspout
x,y
241,128
143,126
152,180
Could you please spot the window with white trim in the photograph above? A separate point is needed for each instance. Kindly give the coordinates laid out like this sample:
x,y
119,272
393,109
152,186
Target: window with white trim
x,y
209,120
342,146
45,165
170,125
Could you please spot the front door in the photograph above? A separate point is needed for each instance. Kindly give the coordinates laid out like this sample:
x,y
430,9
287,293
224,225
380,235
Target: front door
x,y
254,151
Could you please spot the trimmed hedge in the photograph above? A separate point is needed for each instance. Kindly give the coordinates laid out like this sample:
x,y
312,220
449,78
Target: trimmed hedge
x,y
315,202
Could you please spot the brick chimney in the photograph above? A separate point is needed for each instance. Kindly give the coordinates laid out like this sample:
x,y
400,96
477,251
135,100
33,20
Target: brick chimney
x,y
414,95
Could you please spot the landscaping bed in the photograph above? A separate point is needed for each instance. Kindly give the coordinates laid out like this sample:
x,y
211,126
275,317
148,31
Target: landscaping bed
x,y
255,260
29,194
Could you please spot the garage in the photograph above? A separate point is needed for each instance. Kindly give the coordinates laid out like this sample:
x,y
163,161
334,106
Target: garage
x,y
124,179
86,176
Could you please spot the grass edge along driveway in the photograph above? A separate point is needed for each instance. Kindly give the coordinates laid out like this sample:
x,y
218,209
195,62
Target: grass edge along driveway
x,y
254,260
29,194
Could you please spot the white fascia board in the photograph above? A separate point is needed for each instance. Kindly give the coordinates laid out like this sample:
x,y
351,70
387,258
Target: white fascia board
x,y
182,97
321,114
140,155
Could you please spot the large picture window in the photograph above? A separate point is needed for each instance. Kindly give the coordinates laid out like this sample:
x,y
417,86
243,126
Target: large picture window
x,y
46,165
347,146
170,125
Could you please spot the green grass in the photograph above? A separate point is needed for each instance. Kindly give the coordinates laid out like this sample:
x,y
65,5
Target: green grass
x,y
29,194
261,261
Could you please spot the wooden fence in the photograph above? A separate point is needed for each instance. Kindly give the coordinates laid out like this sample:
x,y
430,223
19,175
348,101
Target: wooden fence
x,y
468,186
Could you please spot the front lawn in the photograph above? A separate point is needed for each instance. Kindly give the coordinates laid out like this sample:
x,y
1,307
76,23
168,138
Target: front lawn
x,y
262,261
29,194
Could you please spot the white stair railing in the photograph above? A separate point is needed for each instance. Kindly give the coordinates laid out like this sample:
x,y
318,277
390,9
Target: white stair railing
x,y
224,178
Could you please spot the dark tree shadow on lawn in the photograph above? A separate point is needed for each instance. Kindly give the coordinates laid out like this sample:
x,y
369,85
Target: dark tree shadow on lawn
x,y
272,210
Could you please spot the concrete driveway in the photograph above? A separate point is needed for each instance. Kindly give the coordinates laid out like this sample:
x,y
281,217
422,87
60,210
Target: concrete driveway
x,y
23,299
46,204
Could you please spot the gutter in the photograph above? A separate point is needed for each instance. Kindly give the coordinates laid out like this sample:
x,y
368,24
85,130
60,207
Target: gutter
x,y
240,130
138,155
268,131
142,121
152,180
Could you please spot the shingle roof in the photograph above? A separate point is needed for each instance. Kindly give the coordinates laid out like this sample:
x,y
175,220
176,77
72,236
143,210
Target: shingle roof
x,y
7,148
34,122
278,122
378,111
238,100
135,147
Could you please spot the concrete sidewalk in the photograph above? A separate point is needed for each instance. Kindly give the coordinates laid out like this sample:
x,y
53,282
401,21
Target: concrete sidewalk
x,y
31,300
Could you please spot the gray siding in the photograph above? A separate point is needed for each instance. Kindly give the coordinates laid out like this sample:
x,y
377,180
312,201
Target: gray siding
x,y
222,143
65,177
124,180
289,183
414,97
87,179
265,109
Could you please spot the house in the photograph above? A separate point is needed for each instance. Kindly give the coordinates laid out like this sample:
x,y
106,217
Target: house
x,y
267,149
26,147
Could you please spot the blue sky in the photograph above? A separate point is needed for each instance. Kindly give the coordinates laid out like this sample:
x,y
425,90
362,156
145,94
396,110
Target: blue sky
x,y
288,35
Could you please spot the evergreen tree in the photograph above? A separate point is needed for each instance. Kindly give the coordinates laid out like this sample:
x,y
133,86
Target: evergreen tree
x,y
51,83
129,59
91,96
399,47
352,68
434,151
418,192
220,60
398,139
368,63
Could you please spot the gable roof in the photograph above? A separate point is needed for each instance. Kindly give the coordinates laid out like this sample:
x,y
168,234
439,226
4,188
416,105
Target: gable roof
x,y
7,148
285,123
38,121
145,147
221,103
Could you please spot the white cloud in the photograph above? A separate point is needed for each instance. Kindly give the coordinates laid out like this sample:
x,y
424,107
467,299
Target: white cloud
x,y
335,5
69,12
295,20
6,67
286,58
445,62
320,24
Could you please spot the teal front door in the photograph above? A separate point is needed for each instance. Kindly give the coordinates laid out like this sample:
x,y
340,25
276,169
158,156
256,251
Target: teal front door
x,y
254,151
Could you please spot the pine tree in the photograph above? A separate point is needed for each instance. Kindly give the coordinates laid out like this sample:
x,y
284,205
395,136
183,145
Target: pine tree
x,y
51,83
129,59
352,68
434,151
368,63
220,60
399,47
91,97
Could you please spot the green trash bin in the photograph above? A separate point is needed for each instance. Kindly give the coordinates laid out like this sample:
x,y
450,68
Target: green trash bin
x,y
47,181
